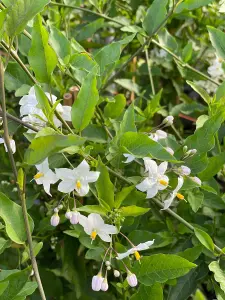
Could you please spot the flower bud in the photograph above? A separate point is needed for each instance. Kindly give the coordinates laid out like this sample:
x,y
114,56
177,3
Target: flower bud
x,y
74,219
55,219
56,210
185,149
184,170
116,273
132,279
104,286
108,268
108,263
68,214
168,121
60,206
196,180
170,150
97,282
161,134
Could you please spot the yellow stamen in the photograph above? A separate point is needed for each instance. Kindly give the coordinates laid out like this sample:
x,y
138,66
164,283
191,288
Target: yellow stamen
x,y
163,182
180,196
78,184
38,175
137,255
93,235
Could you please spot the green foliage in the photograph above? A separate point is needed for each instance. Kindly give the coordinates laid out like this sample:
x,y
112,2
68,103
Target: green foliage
x,y
218,274
217,40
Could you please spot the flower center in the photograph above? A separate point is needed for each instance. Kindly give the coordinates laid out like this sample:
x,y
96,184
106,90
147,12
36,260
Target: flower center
x,y
38,175
78,184
93,235
163,182
137,255
180,196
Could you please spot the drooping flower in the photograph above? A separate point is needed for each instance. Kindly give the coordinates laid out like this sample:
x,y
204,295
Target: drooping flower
x,y
196,180
135,250
105,285
12,145
132,279
129,157
75,216
168,121
116,273
174,194
76,179
45,176
158,135
94,225
184,171
156,180
97,281
55,218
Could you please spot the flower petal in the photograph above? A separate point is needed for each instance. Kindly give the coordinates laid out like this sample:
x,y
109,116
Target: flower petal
x,y
168,201
66,174
83,168
162,187
129,157
179,184
150,166
83,190
162,167
144,185
144,246
92,176
66,186
96,221
46,186
152,191
110,229
105,237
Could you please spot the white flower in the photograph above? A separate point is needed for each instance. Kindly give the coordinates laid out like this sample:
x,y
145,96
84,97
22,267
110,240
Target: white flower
x,y
129,157
135,249
68,214
104,286
184,170
132,279
216,70
156,180
158,135
169,150
76,179
116,273
55,219
75,216
168,121
174,194
94,225
12,145
45,176
97,281
196,180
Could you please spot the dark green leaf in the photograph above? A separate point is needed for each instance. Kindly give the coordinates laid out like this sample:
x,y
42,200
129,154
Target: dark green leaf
x,y
155,292
121,196
195,198
215,164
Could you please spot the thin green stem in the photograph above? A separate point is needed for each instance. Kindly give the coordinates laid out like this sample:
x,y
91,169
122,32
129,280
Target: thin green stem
x,y
150,72
176,132
20,193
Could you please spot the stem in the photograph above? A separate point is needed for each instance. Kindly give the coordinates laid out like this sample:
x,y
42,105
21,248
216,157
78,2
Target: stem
x,y
150,72
21,193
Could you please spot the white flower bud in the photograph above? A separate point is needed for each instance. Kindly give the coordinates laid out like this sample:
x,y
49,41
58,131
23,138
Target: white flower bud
x,y
74,219
60,206
104,286
68,214
168,149
161,134
184,170
116,273
108,268
191,152
108,263
56,210
97,282
196,180
168,121
132,279
55,219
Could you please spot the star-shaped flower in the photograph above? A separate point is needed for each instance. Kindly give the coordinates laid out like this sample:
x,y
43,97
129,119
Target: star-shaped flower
x,y
135,250
174,194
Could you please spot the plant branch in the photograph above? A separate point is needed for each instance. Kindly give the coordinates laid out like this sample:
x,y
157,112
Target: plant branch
x,y
21,193
150,72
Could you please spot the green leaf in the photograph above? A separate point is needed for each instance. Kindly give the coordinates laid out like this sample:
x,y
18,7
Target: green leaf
x,y
187,52
191,5
3,286
213,201
12,215
60,44
167,40
215,163
84,107
43,101
107,55
133,211
4,244
28,289
205,96
88,30
160,268
52,144
217,38
204,239
16,283
153,105
220,91
155,16
220,295
140,145
93,209
104,185
197,163
191,254
121,196
219,274
114,109
128,122
95,133
195,198
20,13
82,61
42,57
36,248
155,292
203,138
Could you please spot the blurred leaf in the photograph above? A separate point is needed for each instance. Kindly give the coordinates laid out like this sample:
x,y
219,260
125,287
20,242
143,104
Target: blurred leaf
x,y
220,295
155,15
114,109
191,254
133,211
167,40
27,290
84,107
36,248
160,268
20,12
93,209
204,239
12,215
187,52
4,244
95,133
129,85
121,196
213,201
88,30
217,38
215,164
219,274
153,105
191,5
200,91
195,199
36,153
128,122
82,61
155,292
3,286
42,57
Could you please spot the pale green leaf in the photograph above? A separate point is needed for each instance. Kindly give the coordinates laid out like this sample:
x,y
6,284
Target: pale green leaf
x,y
121,196
205,96
217,38
93,209
114,109
133,211
36,248
195,199
191,5
204,239
219,274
